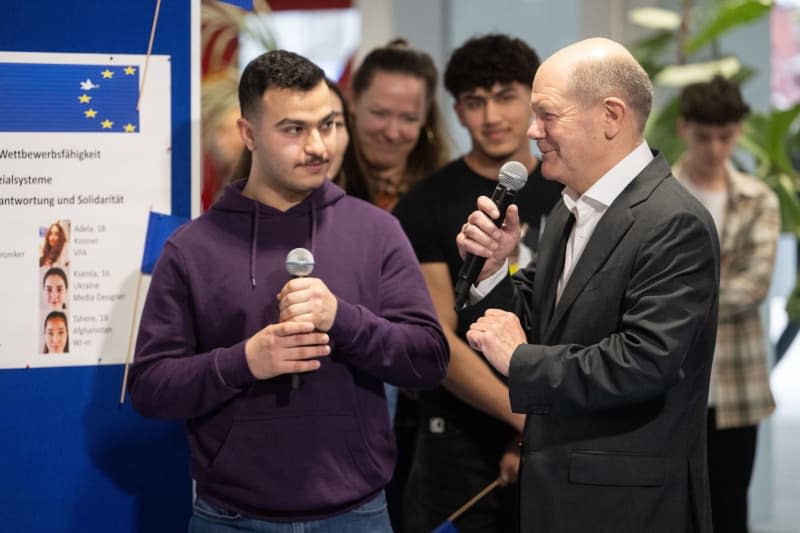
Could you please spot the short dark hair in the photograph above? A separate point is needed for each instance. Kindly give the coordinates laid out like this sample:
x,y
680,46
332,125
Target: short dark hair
x,y
485,60
718,102
276,68
55,271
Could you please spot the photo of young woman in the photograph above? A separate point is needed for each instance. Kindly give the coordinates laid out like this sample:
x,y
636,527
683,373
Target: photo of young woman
x,y
55,289
56,333
55,249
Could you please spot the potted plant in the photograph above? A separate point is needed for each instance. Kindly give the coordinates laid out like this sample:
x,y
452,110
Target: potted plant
x,y
669,55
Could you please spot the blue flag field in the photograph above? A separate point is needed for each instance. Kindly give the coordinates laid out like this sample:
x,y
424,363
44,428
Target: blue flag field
x,y
42,97
159,228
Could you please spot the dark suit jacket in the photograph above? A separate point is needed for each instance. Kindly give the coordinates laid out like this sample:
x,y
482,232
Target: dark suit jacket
x,y
615,378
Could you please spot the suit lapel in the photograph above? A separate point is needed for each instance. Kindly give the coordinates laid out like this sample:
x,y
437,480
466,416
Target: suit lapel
x,y
606,237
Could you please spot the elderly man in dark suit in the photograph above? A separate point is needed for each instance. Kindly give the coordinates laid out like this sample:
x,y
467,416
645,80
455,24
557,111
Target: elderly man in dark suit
x,y
607,341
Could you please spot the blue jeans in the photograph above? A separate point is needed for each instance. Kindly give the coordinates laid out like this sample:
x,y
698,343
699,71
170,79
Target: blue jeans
x,y
371,517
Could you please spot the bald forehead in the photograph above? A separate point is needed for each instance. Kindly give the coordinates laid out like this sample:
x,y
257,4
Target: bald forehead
x,y
587,51
589,55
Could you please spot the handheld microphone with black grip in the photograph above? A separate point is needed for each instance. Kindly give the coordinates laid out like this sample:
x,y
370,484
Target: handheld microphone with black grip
x,y
299,264
513,176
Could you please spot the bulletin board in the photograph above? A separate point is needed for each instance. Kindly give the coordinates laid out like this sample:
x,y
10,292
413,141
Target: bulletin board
x,y
73,459
85,155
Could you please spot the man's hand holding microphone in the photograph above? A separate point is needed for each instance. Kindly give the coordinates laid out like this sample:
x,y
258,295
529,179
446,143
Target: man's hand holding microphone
x,y
307,311
485,245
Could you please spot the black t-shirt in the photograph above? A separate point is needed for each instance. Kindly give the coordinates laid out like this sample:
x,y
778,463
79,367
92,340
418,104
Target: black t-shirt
x,y
432,215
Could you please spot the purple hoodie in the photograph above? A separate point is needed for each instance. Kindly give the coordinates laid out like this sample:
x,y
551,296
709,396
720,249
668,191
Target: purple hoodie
x,y
258,447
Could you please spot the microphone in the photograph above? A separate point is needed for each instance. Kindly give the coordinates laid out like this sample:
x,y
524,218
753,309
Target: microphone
x,y
513,176
299,264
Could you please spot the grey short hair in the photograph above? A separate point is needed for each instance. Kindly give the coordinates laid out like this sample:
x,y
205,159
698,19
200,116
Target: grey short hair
x,y
595,79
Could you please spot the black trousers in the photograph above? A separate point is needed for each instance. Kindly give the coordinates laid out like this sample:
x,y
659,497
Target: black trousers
x,y
731,454
450,467
405,432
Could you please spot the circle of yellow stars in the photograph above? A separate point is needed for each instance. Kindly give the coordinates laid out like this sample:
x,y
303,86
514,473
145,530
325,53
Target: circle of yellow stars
x,y
92,113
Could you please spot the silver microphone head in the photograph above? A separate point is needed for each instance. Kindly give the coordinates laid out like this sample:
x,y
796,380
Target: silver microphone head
x,y
513,175
299,262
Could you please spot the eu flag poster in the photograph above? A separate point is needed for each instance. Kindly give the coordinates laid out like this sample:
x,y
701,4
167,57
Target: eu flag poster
x,y
69,98
85,155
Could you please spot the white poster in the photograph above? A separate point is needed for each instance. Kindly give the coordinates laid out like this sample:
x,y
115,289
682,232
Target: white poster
x,y
80,168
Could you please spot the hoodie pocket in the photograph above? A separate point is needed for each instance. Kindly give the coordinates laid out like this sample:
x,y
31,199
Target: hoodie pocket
x,y
300,463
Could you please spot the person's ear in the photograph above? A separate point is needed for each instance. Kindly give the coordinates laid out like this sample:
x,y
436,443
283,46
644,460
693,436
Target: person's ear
x,y
246,132
615,112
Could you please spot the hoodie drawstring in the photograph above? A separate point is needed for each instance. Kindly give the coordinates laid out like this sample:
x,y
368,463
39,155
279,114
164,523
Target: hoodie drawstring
x,y
254,237
253,243
313,224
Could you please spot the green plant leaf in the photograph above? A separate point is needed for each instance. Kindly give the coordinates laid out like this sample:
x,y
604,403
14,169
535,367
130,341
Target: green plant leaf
x,y
754,145
768,137
780,123
661,131
681,75
729,14
793,304
790,204
655,18
649,50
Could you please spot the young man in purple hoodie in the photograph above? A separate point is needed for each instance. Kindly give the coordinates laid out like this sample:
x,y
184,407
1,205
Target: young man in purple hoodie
x,y
225,328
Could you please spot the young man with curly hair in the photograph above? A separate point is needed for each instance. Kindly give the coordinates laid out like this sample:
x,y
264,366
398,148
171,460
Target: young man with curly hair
x,y
467,435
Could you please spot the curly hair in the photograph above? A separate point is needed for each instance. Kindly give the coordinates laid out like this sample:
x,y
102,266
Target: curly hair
x,y
485,60
276,68
717,102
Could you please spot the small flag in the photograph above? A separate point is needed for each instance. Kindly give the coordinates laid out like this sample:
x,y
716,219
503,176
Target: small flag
x,y
445,527
244,4
159,228
69,98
